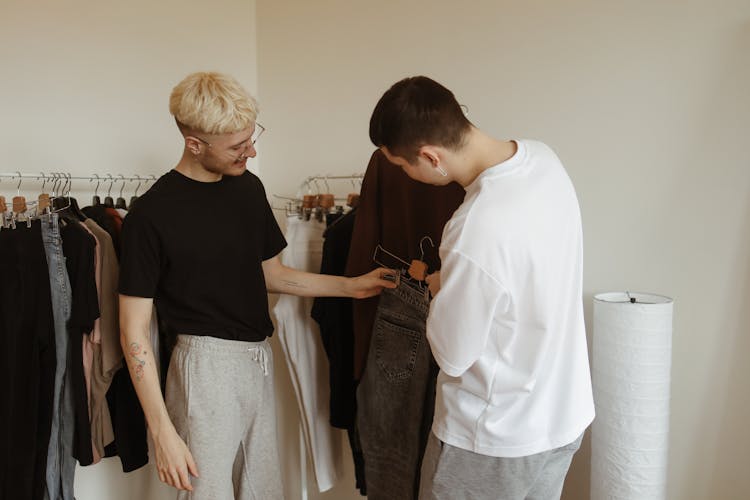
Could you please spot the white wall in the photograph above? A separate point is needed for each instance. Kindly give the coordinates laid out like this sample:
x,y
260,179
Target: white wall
x,y
647,104
84,89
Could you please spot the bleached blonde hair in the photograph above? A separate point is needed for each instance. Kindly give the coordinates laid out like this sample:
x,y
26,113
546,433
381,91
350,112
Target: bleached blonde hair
x,y
213,103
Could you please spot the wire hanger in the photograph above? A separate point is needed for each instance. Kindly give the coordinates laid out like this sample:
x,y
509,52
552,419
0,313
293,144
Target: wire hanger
x,y
418,268
43,200
120,200
108,201
96,200
3,209
352,198
19,202
134,198
403,276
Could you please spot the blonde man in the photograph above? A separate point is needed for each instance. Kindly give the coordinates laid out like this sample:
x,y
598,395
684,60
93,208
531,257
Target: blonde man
x,y
208,269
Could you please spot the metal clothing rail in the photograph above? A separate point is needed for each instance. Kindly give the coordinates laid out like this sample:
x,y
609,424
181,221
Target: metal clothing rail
x,y
63,175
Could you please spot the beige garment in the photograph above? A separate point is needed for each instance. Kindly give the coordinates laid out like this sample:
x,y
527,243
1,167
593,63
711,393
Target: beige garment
x,y
107,353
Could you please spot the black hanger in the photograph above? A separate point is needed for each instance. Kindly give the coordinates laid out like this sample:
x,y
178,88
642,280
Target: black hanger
x,y
96,200
108,201
120,203
67,206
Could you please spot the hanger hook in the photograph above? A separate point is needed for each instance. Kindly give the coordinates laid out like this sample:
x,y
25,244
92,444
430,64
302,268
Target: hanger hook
x,y
44,180
124,180
53,179
421,248
138,186
20,179
111,183
325,180
98,180
317,186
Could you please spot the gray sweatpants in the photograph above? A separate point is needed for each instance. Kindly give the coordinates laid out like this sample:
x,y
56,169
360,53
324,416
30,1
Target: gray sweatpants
x,y
450,473
220,398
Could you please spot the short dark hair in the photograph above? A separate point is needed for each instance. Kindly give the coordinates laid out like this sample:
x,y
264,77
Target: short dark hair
x,y
417,111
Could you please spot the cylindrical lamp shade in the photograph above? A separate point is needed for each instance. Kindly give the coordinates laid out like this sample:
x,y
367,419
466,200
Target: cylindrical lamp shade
x,y
630,372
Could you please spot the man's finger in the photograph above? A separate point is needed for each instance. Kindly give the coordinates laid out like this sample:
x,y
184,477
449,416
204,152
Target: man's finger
x,y
175,479
192,467
184,479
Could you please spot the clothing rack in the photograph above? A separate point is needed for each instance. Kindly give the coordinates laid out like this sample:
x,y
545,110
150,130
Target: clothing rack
x,y
308,206
64,175
67,177
61,185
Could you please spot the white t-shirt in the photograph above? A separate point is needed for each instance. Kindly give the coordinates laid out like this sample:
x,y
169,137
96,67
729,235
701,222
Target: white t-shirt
x,y
507,326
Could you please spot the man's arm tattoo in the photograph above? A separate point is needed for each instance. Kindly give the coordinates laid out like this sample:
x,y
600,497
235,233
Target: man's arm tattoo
x,y
138,364
293,284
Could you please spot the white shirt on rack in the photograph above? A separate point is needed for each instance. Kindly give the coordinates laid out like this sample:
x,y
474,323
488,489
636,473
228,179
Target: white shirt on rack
x,y
299,337
507,327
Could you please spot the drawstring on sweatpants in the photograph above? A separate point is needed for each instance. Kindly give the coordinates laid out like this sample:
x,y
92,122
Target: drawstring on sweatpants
x,y
259,354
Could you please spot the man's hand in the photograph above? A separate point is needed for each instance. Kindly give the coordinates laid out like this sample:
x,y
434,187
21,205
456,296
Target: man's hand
x,y
371,284
433,281
174,461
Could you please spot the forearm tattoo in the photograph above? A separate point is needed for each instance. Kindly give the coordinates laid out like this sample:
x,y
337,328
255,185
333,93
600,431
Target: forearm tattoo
x,y
293,284
138,363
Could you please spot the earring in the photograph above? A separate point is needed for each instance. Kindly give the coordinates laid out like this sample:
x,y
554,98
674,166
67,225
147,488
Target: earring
x,y
441,170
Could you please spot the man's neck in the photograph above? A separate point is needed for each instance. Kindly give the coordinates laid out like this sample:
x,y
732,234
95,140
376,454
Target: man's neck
x,y
192,169
480,153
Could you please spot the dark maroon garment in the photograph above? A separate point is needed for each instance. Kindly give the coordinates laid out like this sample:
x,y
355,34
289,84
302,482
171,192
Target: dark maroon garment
x,y
396,212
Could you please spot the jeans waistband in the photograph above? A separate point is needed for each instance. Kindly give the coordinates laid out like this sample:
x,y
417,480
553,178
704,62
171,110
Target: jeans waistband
x,y
50,228
411,295
258,351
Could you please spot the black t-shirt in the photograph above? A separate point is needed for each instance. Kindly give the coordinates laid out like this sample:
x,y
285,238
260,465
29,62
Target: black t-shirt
x,y
334,315
197,249
79,248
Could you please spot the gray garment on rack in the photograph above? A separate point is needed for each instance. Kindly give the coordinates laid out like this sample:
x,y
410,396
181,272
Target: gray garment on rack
x,y
60,462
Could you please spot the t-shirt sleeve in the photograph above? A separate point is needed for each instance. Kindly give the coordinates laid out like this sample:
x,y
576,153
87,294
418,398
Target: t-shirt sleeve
x,y
140,260
274,241
462,313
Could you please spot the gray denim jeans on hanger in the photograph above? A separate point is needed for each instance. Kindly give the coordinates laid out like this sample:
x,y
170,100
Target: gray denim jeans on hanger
x,y
396,395
60,462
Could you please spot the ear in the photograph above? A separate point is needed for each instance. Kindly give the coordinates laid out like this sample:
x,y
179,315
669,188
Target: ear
x,y
431,154
193,145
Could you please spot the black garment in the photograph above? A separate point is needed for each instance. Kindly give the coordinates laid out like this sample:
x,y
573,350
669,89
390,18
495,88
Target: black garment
x,y
334,315
360,481
27,362
100,215
197,249
128,423
79,248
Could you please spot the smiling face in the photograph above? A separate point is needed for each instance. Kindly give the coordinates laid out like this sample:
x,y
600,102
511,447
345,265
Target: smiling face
x,y
224,154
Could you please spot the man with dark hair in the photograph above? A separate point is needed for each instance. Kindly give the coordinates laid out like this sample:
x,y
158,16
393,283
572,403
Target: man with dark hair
x,y
506,323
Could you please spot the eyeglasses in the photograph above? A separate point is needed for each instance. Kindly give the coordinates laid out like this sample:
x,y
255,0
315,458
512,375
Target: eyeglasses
x,y
259,129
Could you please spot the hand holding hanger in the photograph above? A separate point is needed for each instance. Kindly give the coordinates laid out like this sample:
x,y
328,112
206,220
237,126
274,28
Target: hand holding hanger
x,y
372,283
